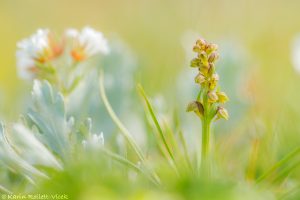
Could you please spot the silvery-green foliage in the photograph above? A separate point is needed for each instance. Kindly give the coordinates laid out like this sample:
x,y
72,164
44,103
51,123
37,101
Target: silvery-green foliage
x,y
42,141
31,149
47,114
12,160
45,138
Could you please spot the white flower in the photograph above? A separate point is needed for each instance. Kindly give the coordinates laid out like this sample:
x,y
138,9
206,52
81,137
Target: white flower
x,y
296,54
94,141
86,43
25,65
29,51
36,44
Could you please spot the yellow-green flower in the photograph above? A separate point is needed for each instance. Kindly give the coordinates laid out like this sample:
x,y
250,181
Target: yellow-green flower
x,y
222,97
213,81
212,97
196,107
200,78
213,57
222,113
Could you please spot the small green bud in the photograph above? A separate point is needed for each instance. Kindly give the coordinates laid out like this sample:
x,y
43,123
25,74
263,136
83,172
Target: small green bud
x,y
204,70
211,48
222,113
222,97
213,57
212,69
195,62
212,97
197,49
213,81
200,78
215,77
200,42
203,58
196,107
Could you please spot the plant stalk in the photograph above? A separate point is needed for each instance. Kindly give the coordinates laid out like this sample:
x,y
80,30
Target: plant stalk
x,y
205,147
205,139
205,153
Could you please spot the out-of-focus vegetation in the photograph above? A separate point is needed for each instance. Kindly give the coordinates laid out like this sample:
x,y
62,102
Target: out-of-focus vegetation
x,y
151,44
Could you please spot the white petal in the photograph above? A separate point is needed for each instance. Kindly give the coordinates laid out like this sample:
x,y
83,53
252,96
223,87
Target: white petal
x,y
24,63
28,50
93,41
72,33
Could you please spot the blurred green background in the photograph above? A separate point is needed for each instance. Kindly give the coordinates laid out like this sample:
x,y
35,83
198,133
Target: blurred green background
x,y
153,29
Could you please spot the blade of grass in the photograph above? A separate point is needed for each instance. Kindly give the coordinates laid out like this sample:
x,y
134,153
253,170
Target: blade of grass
x,y
173,141
154,118
171,135
128,163
116,120
120,125
253,159
284,173
182,141
185,151
277,165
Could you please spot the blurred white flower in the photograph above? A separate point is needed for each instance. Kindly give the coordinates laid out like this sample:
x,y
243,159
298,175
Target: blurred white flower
x,y
35,45
86,43
296,54
29,51
25,65
94,141
38,48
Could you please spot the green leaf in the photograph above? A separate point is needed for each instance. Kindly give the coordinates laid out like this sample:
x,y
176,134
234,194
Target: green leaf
x,y
154,118
280,163
13,161
48,115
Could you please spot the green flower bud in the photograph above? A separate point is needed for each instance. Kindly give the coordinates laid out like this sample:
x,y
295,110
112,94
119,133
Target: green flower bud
x,y
196,107
211,69
197,49
200,78
201,43
222,97
222,113
211,48
195,62
203,58
213,57
212,97
213,81
204,70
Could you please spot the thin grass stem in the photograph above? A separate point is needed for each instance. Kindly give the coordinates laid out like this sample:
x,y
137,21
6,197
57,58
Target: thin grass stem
x,y
277,165
154,118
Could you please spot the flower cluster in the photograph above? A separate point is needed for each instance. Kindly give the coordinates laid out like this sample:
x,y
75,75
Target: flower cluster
x,y
210,97
86,43
35,51
36,54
